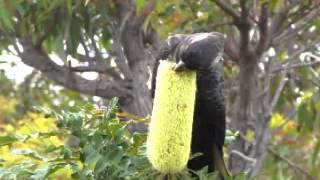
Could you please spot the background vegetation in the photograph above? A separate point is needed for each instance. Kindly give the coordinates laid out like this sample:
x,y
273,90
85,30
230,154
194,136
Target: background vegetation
x,y
85,52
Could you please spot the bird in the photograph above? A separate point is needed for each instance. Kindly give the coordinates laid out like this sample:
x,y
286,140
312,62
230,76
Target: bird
x,y
202,52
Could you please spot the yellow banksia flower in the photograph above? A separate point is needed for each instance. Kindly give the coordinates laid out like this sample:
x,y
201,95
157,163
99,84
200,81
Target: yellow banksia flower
x,y
170,129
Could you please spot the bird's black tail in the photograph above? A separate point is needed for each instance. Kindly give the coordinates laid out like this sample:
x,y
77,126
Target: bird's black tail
x,y
220,165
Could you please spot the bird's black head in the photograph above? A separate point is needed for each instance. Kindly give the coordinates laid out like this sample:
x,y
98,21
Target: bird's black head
x,y
199,51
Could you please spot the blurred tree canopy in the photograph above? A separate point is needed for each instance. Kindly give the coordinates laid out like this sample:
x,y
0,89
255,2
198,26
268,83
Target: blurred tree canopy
x,y
106,48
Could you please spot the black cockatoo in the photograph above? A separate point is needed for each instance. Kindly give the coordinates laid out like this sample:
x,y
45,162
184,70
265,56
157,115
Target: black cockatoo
x,y
202,52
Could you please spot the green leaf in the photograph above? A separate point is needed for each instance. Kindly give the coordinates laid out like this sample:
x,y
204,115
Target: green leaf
x,y
69,6
115,155
7,140
43,172
73,36
241,176
28,152
91,155
140,5
316,151
305,117
101,165
5,16
59,48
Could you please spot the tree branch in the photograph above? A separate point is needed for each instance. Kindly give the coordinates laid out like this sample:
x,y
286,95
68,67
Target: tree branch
x,y
231,48
93,67
211,27
299,25
228,9
106,88
244,157
264,30
95,64
291,164
298,65
278,92
147,9
244,9
244,27
121,59
10,38
278,20
280,66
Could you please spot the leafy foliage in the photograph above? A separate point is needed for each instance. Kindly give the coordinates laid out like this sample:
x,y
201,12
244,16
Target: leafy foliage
x,y
87,143
63,26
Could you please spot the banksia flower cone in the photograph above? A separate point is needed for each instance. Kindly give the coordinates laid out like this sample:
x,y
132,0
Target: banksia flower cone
x,y
170,129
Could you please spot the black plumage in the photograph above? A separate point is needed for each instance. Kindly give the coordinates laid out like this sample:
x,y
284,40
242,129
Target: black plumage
x,y
202,52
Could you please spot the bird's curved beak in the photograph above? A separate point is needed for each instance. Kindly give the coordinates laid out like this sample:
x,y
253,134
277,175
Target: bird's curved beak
x,y
180,66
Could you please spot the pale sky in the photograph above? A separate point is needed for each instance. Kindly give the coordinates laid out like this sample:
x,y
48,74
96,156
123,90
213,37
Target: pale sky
x,y
14,68
17,70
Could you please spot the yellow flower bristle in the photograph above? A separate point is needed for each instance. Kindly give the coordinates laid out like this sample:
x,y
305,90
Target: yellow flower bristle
x,y
170,129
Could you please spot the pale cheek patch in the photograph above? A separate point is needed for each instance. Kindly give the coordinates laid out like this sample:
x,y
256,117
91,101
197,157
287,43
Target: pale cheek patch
x,y
200,37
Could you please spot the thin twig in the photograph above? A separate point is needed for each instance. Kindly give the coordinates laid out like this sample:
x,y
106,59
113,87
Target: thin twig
x,y
91,68
244,157
228,9
291,164
295,66
279,90
264,30
301,24
147,9
211,26
10,38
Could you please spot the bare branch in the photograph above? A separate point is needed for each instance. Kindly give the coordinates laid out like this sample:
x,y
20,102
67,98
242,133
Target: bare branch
x,y
147,9
291,164
192,8
228,9
231,48
244,157
10,38
279,90
280,66
121,59
210,27
244,25
294,66
283,80
244,9
93,67
106,87
264,30
301,24
278,20
83,43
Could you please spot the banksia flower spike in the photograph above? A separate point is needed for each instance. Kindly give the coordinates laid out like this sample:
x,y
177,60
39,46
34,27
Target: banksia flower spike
x,y
170,129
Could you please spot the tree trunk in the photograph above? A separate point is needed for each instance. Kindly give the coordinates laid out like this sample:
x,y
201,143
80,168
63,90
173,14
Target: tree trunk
x,y
243,114
137,58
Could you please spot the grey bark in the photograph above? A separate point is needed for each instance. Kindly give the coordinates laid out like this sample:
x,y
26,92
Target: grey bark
x,y
253,105
127,81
